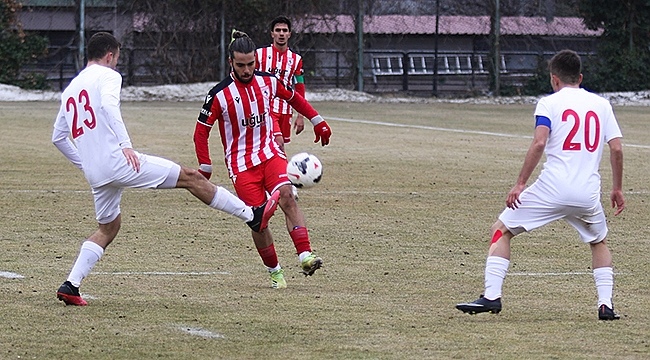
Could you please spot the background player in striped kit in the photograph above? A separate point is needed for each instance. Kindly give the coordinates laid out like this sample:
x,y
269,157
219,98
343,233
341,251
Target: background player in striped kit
x,y
278,59
100,147
240,106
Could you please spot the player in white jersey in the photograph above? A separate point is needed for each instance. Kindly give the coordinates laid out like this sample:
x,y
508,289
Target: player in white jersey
x,y
572,128
100,146
286,65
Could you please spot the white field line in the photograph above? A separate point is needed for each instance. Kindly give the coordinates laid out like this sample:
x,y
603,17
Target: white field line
x,y
10,275
342,192
569,273
163,273
381,123
168,273
199,332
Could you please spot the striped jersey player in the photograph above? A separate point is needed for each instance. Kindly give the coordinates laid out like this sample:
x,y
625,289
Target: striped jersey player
x,y
240,108
286,65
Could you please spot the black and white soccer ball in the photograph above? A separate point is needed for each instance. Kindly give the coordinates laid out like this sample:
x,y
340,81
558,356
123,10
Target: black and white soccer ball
x,y
304,170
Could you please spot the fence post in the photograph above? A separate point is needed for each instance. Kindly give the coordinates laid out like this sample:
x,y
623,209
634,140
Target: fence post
x,y
337,68
61,75
405,72
359,30
435,47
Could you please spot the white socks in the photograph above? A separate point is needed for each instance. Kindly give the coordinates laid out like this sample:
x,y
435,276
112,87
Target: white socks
x,y
225,201
495,272
604,278
303,255
89,254
497,267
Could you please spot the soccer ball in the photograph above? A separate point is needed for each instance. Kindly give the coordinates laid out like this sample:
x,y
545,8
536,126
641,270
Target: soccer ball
x,y
304,170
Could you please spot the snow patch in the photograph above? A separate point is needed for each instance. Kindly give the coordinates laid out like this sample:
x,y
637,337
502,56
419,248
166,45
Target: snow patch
x,y
197,91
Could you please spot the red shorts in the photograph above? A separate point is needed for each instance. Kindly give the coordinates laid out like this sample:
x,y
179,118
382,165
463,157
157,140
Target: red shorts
x,y
253,184
284,120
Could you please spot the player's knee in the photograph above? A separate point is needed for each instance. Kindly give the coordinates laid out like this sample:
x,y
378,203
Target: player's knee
x,y
498,230
194,173
190,175
286,196
497,226
108,231
598,242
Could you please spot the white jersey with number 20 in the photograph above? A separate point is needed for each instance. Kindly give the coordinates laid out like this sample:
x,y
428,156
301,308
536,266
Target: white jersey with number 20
x,y
581,124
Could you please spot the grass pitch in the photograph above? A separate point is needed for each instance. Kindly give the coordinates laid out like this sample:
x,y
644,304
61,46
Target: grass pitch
x,y
401,220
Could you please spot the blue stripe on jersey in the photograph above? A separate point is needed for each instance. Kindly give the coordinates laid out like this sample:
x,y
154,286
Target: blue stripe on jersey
x,y
542,120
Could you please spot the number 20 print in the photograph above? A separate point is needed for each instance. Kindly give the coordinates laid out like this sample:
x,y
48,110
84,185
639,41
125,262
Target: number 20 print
x,y
592,123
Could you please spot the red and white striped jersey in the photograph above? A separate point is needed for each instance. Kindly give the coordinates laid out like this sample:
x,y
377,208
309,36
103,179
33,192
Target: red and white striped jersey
x,y
242,111
285,65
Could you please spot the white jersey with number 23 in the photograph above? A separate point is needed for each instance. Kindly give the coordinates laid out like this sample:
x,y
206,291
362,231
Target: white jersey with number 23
x,y
90,112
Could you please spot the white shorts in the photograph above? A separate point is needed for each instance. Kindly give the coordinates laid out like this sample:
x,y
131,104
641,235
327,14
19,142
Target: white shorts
x,y
536,210
155,173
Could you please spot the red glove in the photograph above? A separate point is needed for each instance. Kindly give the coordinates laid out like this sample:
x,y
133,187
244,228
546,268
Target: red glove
x,y
205,170
323,133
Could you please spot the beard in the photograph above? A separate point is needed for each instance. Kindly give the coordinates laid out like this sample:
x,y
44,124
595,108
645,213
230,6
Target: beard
x,y
242,80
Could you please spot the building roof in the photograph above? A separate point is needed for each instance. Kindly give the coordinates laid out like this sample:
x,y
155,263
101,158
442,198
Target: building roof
x,y
448,25
68,3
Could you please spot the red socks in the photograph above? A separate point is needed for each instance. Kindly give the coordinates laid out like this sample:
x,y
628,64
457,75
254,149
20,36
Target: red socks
x,y
300,238
269,256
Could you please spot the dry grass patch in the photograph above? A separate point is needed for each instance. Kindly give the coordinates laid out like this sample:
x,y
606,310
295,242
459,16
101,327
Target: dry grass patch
x,y
401,220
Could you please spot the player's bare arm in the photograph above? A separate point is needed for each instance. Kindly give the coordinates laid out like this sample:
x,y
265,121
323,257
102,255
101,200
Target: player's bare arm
x,y
616,161
533,156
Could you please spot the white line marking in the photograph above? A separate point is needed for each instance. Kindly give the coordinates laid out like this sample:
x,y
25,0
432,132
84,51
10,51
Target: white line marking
x,y
637,146
428,127
199,332
341,192
570,273
381,123
166,273
10,275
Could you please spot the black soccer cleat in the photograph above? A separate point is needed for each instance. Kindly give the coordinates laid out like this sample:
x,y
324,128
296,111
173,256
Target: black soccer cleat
x,y
605,313
69,294
480,305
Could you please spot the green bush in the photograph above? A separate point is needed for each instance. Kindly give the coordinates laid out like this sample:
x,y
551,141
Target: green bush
x,y
18,48
540,83
617,70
